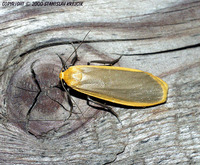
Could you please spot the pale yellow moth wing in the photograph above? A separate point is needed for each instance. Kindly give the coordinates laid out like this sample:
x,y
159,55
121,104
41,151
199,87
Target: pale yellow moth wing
x,y
117,84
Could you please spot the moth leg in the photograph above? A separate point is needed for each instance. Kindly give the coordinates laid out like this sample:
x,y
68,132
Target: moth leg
x,y
36,97
70,104
62,105
109,63
103,106
63,62
69,98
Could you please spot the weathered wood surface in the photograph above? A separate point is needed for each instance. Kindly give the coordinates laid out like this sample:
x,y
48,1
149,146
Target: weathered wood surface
x,y
165,35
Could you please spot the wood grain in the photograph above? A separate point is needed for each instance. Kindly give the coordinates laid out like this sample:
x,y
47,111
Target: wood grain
x,y
160,37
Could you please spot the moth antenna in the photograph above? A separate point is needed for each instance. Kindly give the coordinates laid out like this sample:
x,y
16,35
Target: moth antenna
x,y
77,47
